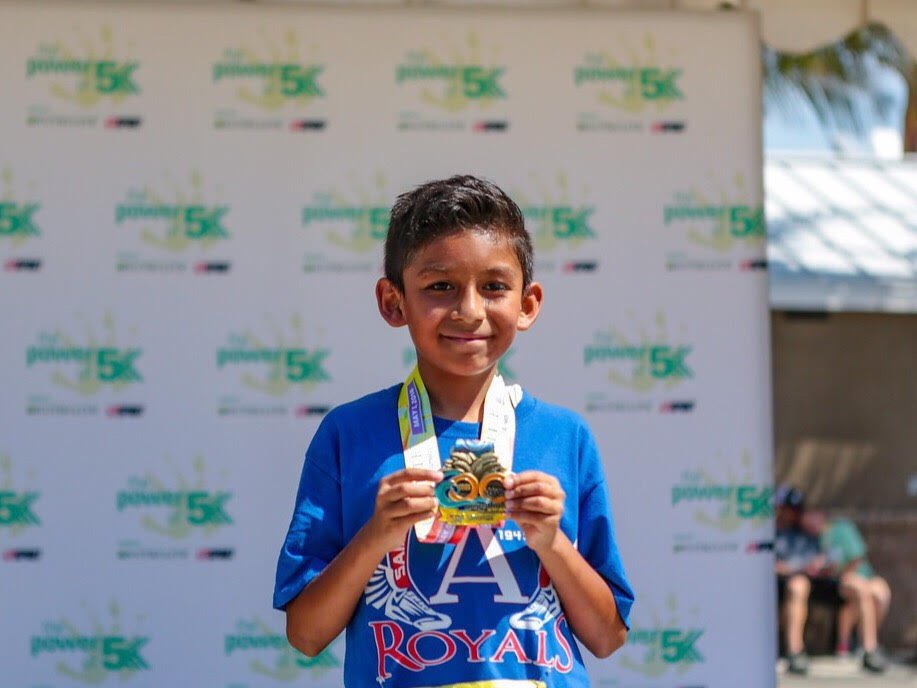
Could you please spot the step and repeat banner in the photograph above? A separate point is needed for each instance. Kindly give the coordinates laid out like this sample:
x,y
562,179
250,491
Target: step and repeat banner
x,y
193,201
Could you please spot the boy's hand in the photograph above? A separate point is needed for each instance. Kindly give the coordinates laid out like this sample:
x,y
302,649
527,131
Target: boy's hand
x,y
535,501
816,566
403,499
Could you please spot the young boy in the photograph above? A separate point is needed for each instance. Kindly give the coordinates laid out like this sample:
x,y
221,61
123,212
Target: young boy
x,y
493,606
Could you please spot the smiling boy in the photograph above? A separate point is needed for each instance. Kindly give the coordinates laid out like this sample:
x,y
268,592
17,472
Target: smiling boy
x,y
486,606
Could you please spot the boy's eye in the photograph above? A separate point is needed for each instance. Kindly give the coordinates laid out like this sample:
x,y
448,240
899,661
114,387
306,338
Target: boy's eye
x,y
496,286
439,286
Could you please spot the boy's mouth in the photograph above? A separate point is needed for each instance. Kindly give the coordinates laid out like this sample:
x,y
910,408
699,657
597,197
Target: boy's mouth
x,y
465,337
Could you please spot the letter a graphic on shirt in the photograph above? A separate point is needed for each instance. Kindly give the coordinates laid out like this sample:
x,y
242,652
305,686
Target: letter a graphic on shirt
x,y
502,575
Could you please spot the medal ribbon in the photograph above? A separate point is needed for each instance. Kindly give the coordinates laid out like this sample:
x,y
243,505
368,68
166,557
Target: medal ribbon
x,y
418,437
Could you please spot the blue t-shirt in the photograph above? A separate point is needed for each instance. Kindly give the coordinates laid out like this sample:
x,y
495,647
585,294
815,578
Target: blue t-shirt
x,y
795,547
433,614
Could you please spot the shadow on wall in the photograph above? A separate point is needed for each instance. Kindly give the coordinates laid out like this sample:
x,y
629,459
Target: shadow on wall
x,y
829,470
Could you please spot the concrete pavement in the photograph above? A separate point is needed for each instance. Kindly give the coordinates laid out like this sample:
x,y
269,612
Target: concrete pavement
x,y
831,672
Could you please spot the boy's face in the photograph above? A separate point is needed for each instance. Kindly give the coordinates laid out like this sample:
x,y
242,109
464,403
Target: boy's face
x,y
462,302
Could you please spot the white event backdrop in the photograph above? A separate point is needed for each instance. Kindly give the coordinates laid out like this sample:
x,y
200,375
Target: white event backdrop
x,y
192,203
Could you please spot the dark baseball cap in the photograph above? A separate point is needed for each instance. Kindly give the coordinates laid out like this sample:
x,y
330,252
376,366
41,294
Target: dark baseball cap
x,y
790,497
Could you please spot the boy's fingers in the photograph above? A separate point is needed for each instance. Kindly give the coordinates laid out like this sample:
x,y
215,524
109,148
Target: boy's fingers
x,y
514,479
411,519
532,489
410,476
525,477
396,494
536,485
419,474
410,506
409,489
545,506
531,518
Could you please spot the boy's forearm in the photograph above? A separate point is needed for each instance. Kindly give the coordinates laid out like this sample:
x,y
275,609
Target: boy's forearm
x,y
588,604
322,610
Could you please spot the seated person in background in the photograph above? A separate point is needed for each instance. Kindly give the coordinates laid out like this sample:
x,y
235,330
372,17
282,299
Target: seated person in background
x,y
800,564
866,595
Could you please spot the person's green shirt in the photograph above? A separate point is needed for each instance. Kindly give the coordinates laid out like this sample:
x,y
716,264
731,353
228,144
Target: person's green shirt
x,y
844,544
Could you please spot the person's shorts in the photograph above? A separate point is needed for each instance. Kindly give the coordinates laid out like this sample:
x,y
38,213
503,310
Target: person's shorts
x,y
825,590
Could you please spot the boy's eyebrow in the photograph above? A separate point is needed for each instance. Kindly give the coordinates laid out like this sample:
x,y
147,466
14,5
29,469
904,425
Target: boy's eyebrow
x,y
497,270
432,268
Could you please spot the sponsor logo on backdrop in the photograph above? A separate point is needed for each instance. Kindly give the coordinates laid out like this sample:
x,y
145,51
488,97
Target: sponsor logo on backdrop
x,y
96,370
89,81
268,655
277,88
96,651
179,517
645,368
19,514
630,88
453,88
178,230
19,227
409,359
663,643
274,373
722,510
345,230
722,229
560,219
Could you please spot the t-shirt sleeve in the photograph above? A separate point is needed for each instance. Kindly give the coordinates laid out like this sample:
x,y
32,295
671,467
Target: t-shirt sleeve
x,y
595,537
845,542
315,535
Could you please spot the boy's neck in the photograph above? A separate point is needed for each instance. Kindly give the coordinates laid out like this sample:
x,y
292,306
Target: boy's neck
x,y
457,397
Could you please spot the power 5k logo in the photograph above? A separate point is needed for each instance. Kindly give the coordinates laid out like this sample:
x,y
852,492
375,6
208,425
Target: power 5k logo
x,y
728,508
720,228
272,374
16,510
94,85
174,231
664,643
344,228
643,363
186,509
444,88
19,514
561,221
19,226
276,91
16,221
269,655
631,88
93,364
105,653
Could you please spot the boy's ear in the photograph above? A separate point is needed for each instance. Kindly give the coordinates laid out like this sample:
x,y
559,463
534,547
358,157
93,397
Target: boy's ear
x,y
389,300
531,307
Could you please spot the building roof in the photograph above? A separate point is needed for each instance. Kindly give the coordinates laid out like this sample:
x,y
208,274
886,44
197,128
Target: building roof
x,y
842,233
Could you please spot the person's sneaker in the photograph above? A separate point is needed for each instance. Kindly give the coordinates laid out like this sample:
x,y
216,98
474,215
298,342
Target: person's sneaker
x,y
541,609
798,664
402,604
874,662
409,607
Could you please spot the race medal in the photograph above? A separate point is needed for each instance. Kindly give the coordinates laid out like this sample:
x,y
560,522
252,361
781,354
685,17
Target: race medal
x,y
465,501
472,491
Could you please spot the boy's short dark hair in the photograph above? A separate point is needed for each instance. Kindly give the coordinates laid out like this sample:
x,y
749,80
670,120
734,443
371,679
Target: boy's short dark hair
x,y
445,206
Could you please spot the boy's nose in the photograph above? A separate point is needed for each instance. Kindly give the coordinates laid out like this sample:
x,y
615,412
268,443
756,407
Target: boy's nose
x,y
470,306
